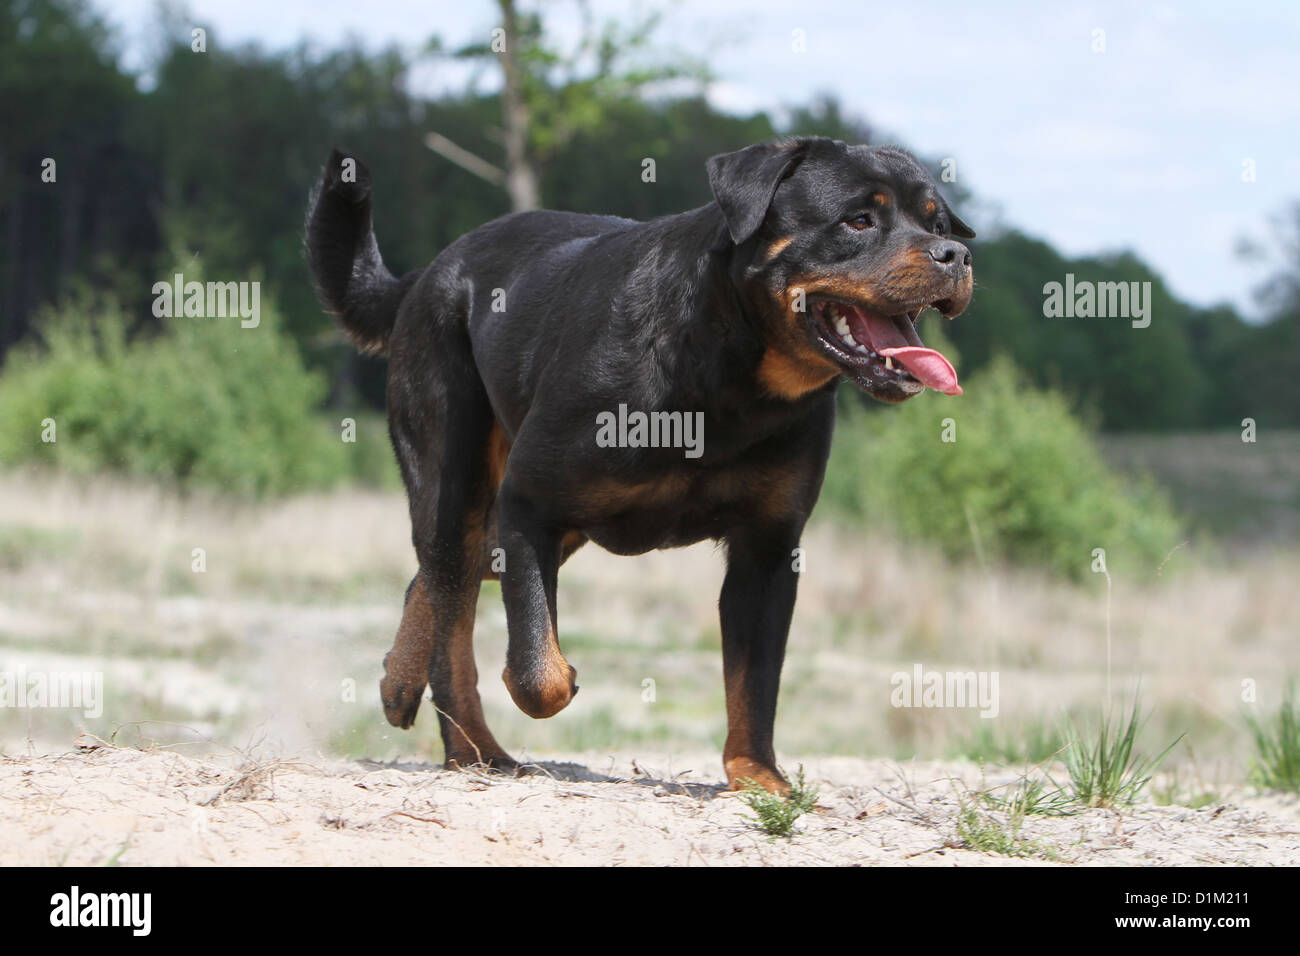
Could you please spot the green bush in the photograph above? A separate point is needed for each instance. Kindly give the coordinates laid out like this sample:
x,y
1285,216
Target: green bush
x,y
205,402
1022,482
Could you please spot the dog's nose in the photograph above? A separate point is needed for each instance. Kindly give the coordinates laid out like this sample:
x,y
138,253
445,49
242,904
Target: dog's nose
x,y
952,256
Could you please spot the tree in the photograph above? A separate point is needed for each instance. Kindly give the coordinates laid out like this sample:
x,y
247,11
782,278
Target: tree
x,y
65,110
1265,359
550,96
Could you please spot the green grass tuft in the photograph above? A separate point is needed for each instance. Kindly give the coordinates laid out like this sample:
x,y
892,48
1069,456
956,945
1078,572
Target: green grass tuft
x,y
1104,770
1031,796
774,814
1277,747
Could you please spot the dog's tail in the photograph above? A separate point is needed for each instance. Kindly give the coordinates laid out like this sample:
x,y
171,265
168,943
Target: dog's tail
x,y
352,282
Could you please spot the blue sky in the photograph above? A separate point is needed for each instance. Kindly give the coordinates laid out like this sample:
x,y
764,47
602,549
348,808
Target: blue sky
x,y
1138,147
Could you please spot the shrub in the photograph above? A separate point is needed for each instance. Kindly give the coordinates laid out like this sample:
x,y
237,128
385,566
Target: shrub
x,y
1023,480
205,401
775,813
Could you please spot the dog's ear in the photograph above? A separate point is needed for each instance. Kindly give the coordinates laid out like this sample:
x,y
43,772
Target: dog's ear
x,y
744,183
960,228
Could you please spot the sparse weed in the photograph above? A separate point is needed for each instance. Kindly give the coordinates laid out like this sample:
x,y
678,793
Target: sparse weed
x,y
983,831
774,814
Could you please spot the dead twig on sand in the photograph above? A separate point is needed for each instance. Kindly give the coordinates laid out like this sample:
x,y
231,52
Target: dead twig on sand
x,y
415,816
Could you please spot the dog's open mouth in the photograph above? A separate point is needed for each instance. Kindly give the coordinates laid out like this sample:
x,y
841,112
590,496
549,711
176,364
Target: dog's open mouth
x,y
884,349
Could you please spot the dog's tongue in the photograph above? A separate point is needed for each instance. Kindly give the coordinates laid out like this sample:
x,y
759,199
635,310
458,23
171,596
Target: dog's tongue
x,y
897,339
928,366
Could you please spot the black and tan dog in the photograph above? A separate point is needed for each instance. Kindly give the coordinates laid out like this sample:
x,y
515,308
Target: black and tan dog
x,y
509,350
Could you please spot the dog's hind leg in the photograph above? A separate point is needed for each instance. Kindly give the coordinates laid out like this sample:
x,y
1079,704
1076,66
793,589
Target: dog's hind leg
x,y
451,486
406,666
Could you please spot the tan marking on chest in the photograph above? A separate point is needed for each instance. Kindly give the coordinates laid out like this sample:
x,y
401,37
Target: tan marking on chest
x,y
791,377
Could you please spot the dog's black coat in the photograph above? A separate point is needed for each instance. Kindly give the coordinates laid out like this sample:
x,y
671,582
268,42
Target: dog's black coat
x,y
503,352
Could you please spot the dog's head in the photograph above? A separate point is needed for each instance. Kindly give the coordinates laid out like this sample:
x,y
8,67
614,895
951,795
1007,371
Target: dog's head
x,y
838,249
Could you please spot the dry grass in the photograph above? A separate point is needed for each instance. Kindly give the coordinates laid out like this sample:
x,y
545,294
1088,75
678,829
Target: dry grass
x,y
283,634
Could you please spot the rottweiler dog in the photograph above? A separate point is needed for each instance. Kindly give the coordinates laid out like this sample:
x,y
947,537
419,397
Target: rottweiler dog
x,y
513,354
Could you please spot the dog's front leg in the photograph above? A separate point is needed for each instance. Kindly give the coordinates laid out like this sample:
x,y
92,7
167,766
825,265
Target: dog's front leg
x,y
539,679
757,602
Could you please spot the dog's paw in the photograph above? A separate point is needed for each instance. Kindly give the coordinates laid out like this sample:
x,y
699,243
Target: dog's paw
x,y
543,691
401,699
740,770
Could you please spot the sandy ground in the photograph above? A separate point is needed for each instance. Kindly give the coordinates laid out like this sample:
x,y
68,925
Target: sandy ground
x,y
242,701
131,807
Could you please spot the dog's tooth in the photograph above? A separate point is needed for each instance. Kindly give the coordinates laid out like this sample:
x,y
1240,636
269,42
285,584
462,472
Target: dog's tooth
x,y
889,362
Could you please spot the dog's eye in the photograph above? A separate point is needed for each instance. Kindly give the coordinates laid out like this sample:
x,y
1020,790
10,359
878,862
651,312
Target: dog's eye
x,y
858,223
